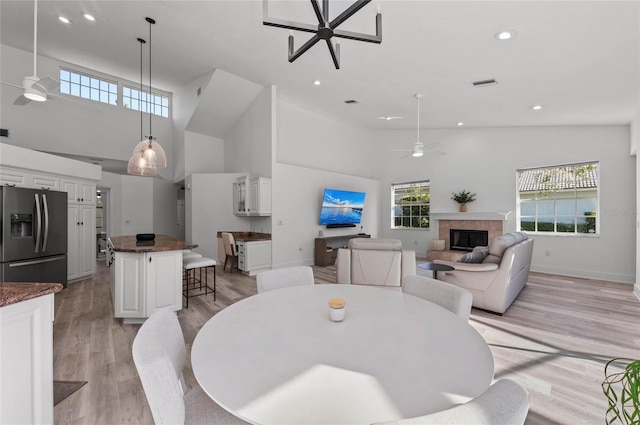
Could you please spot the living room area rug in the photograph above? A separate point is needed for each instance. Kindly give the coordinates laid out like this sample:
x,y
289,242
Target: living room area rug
x,y
63,389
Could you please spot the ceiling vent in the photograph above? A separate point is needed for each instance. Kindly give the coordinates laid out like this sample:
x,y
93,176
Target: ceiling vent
x,y
350,101
483,83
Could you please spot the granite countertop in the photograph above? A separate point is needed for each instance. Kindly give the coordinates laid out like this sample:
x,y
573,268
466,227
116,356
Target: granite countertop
x,y
161,243
248,236
15,292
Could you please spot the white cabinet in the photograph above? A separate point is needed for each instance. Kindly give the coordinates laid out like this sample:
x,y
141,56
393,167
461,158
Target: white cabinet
x,y
24,178
145,282
260,196
252,196
79,191
254,256
81,241
26,362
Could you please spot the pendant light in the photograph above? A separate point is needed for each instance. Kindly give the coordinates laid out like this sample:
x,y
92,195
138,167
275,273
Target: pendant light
x,y
132,167
148,154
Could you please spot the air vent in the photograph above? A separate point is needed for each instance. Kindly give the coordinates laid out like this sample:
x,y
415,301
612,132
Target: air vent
x,y
483,83
350,101
199,91
4,132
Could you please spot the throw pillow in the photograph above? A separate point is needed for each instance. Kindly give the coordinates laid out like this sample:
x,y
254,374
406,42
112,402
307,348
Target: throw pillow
x,y
474,256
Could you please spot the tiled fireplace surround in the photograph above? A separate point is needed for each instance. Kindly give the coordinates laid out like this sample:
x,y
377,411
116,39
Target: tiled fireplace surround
x,y
493,223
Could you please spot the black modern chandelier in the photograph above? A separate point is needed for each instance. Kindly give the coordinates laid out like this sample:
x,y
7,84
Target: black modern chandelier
x,y
325,29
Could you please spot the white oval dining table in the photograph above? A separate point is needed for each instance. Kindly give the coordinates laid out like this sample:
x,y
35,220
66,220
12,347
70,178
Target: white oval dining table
x,y
276,358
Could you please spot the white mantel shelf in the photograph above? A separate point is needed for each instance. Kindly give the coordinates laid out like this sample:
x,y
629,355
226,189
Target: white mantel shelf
x,y
470,215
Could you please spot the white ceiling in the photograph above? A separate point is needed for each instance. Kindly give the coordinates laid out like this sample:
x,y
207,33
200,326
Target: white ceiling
x,y
579,59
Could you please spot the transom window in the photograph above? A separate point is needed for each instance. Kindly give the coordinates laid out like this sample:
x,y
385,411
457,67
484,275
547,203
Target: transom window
x,y
410,205
140,100
88,87
562,199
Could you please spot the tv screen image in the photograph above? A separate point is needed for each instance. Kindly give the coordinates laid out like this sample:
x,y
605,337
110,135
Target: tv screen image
x,y
341,207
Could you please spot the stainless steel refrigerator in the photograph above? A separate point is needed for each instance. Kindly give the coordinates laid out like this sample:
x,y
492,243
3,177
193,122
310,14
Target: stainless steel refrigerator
x,y
33,240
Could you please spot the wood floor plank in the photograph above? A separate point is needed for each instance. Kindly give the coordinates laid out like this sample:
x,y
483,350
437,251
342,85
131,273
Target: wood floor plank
x,y
555,340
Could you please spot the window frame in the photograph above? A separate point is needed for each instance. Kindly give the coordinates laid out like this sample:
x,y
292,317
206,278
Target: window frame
x,y
163,98
423,186
545,204
90,83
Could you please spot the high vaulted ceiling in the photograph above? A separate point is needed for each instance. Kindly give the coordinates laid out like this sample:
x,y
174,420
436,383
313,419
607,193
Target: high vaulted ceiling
x,y
578,59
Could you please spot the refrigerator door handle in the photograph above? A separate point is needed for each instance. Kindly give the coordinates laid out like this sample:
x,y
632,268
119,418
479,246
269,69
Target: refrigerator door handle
x,y
31,263
45,209
39,221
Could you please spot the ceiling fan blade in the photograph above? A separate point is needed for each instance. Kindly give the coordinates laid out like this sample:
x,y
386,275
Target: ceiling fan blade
x,y
47,84
21,100
12,85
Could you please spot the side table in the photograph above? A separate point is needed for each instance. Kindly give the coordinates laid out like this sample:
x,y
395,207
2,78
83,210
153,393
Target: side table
x,y
435,268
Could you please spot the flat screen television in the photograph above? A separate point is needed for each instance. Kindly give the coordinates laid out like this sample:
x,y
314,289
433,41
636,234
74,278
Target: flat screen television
x,y
341,208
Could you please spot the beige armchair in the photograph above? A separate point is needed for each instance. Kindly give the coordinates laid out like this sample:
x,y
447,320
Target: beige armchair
x,y
500,276
379,262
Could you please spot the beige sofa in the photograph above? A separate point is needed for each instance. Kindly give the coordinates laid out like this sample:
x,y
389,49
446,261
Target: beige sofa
x,y
379,262
498,279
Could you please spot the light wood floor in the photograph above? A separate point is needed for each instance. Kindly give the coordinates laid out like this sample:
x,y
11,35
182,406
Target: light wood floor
x,y
554,340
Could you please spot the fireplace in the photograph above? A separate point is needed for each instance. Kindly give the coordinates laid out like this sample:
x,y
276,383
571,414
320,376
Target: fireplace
x,y
466,239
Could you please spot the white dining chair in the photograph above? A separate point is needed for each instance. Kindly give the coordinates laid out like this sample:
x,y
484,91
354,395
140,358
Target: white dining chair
x,y
281,278
506,402
159,353
453,298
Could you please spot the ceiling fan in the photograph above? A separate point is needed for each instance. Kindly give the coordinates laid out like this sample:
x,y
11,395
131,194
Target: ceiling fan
x,y
34,88
418,147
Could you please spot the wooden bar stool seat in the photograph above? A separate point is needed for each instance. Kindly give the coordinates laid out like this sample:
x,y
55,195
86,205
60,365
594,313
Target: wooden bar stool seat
x,y
193,283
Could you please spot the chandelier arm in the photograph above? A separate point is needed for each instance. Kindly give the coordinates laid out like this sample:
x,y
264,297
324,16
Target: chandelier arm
x,y
316,8
335,53
290,25
293,55
350,35
359,4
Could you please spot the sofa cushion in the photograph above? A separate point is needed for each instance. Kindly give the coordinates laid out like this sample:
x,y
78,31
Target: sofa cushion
x,y
499,245
475,256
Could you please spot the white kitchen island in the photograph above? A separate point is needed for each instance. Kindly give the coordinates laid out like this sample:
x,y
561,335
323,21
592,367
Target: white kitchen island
x,y
146,276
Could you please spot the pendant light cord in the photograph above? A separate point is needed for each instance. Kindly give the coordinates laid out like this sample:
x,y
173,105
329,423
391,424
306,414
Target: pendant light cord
x,y
140,91
150,98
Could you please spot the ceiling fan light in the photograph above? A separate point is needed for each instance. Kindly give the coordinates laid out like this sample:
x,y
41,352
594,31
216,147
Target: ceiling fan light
x,y
417,154
34,95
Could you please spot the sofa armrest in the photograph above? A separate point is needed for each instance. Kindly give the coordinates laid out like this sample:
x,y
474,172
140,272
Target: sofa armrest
x,y
470,267
343,266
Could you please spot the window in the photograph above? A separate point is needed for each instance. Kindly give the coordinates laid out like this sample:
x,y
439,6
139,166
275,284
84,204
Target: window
x,y
561,200
410,205
140,100
88,87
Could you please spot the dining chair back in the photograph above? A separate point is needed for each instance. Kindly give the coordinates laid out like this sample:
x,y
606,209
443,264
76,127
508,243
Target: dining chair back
x,y
230,250
281,278
453,298
506,402
159,353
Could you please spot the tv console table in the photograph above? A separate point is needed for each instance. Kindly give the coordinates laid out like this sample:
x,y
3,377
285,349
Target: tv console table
x,y
326,249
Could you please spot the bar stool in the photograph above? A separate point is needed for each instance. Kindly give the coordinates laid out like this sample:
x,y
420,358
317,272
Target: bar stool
x,y
194,282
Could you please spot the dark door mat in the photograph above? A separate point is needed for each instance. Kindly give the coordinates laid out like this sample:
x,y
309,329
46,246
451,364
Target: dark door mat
x,y
63,389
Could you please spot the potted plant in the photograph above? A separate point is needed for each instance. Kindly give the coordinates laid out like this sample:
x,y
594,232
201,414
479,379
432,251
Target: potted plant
x,y
463,198
622,389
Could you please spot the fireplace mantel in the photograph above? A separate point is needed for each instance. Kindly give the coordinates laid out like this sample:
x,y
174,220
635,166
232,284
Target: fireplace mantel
x,y
470,215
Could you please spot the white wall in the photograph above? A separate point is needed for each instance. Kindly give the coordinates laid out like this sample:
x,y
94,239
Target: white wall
x,y
297,200
203,154
248,145
209,209
485,161
136,204
165,210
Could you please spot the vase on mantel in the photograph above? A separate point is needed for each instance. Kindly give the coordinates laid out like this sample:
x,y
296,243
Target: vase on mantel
x,y
463,207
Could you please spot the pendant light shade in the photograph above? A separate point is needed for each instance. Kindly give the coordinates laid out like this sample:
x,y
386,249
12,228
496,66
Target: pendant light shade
x,y
148,155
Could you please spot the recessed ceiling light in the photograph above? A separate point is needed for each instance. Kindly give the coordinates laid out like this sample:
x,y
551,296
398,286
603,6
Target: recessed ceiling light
x,y
388,118
505,35
89,17
460,124
536,107
64,19
317,83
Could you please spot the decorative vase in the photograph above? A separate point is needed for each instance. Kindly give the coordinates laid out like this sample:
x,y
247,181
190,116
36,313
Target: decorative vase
x,y
463,207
